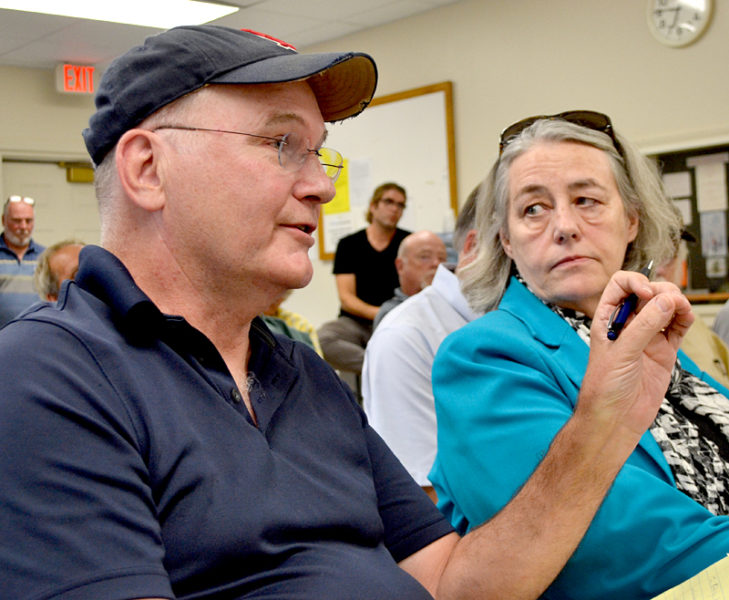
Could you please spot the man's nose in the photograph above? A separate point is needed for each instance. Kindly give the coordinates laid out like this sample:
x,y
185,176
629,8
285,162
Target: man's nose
x,y
317,180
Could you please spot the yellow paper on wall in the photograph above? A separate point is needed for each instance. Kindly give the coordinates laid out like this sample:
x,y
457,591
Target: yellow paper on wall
x,y
340,202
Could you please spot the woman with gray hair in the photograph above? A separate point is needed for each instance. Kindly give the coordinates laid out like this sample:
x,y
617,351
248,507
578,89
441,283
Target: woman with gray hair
x,y
567,204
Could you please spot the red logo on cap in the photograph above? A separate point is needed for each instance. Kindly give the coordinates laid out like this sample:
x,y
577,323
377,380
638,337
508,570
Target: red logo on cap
x,y
273,39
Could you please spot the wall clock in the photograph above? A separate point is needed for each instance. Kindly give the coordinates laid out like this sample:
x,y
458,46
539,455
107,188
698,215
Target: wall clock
x,y
679,22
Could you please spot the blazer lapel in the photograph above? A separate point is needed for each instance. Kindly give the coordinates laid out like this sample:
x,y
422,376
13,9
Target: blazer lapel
x,y
568,350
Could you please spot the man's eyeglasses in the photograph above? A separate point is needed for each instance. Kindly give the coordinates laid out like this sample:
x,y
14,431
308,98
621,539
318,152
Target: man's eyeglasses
x,y
16,199
586,118
292,150
395,203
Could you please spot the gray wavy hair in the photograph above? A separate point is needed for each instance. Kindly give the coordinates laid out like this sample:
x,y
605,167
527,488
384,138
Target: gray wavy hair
x,y
639,184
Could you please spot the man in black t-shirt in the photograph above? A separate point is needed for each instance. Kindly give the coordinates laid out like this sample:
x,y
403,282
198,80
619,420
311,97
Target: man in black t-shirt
x,y
364,267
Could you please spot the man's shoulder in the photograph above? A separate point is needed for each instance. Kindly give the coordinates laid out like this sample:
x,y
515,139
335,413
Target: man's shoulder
x,y
430,304
36,248
350,244
723,313
100,304
356,236
77,312
398,237
425,318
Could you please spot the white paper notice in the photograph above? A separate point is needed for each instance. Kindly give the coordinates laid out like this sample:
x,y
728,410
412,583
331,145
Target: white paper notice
x,y
711,193
684,207
716,267
678,185
335,228
713,233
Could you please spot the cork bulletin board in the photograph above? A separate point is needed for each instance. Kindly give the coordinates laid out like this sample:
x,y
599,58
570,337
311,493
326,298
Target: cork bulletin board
x,y
696,179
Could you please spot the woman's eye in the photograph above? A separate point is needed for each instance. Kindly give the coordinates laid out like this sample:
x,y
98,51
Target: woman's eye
x,y
582,201
533,210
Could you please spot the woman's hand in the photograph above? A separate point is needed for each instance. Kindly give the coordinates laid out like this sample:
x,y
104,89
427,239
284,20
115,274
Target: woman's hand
x,y
626,379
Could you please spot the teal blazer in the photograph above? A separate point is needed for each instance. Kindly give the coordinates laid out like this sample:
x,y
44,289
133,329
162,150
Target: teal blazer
x,y
504,385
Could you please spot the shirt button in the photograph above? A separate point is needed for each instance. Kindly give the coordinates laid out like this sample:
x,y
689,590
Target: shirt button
x,y
235,395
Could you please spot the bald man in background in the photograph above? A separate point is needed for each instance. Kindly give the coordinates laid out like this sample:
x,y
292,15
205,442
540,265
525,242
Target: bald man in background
x,y
417,260
56,264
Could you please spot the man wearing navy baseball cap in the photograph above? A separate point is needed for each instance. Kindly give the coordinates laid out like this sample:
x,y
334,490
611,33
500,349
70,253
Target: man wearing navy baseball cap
x,y
163,443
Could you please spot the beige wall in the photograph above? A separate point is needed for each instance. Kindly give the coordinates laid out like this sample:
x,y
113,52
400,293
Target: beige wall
x,y
507,59
38,122
514,58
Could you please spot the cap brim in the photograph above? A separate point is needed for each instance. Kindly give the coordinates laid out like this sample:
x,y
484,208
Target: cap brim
x,y
343,83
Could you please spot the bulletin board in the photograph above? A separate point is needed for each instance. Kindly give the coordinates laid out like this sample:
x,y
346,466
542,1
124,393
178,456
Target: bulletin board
x,y
407,138
696,179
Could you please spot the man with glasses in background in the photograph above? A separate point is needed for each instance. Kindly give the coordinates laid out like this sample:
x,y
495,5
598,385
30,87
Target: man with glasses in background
x,y
163,443
18,257
364,268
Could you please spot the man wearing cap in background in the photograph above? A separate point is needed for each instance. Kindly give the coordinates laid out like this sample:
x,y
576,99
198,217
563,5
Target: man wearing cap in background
x,y
18,257
163,443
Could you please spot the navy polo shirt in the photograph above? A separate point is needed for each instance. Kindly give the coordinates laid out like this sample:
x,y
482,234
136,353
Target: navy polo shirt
x,y
129,466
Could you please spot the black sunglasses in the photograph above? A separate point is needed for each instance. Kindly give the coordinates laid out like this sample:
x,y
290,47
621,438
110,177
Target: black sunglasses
x,y
585,118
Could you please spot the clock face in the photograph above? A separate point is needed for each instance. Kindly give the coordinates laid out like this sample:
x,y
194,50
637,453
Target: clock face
x,y
678,22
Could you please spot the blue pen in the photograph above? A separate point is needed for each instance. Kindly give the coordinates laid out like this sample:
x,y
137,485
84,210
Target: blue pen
x,y
621,313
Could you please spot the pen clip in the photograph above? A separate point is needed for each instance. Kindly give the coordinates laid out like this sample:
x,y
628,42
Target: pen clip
x,y
647,269
613,315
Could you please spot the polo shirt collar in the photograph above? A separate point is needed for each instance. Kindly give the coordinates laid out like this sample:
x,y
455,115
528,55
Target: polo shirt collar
x,y
103,275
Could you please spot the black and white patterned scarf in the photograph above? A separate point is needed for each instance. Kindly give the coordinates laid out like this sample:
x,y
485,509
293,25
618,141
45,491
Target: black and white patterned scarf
x,y
691,428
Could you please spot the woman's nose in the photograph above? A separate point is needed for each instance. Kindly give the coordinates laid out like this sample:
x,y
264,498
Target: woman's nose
x,y
565,225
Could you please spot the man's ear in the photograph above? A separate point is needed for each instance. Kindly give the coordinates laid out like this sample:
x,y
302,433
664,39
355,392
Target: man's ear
x,y
138,164
399,262
469,244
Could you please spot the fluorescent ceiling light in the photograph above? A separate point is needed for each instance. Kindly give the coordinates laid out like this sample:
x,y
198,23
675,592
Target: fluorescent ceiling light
x,y
162,14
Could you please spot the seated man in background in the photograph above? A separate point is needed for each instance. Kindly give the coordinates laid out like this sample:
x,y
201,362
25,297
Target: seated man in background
x,y
417,260
161,443
396,386
364,268
56,264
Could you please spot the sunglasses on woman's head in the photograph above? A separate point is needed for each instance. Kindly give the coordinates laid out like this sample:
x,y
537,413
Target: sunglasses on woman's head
x,y
585,118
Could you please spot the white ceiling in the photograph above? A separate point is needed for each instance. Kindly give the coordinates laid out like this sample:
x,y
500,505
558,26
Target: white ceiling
x,y
43,41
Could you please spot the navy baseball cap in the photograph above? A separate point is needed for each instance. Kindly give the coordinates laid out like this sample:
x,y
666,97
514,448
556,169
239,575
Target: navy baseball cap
x,y
183,59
